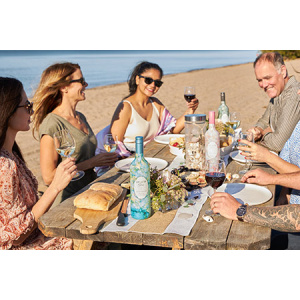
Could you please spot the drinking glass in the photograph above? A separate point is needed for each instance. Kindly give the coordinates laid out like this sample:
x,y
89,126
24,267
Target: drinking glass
x,y
110,144
249,137
235,120
65,146
215,174
189,93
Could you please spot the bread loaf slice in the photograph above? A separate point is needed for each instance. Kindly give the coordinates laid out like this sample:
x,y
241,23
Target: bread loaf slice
x,y
100,196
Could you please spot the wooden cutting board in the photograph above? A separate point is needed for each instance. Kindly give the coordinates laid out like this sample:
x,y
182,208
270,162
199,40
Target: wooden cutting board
x,y
92,219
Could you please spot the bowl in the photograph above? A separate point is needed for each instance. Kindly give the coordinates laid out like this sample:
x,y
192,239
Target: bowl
x,y
176,151
223,141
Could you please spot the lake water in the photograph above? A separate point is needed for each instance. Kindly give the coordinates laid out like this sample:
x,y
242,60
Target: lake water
x,y
105,67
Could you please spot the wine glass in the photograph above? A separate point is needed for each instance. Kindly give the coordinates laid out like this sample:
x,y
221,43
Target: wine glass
x,y
110,144
189,93
235,120
249,137
65,146
215,174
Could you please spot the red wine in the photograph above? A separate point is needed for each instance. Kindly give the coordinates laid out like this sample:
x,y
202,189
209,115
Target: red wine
x,y
215,179
189,98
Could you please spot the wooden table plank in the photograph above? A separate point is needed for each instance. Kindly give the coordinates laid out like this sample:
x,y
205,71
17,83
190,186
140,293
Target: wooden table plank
x,y
54,222
206,235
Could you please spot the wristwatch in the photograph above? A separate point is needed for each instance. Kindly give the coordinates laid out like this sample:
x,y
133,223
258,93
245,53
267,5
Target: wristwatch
x,y
241,211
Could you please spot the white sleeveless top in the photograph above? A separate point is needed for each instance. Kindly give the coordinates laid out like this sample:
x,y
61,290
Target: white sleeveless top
x,y
138,126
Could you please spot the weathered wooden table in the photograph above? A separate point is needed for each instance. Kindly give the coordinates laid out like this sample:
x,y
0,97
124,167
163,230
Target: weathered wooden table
x,y
221,234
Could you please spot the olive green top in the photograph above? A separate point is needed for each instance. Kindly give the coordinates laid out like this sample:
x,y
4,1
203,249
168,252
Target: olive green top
x,y
85,149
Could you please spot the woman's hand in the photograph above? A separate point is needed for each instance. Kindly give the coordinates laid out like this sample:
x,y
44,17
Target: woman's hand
x,y
193,105
254,151
105,159
65,171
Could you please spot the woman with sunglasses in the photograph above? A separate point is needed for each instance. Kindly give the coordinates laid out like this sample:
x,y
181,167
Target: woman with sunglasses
x,y
20,207
61,88
140,114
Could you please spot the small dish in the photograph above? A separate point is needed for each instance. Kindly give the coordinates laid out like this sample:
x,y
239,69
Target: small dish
x,y
176,151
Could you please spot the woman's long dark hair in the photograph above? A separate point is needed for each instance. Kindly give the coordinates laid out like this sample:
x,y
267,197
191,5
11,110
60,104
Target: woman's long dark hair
x,y
10,98
138,70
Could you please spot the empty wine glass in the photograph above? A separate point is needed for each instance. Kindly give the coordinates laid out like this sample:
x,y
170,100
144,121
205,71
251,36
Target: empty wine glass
x,y
215,174
110,144
249,137
65,146
189,93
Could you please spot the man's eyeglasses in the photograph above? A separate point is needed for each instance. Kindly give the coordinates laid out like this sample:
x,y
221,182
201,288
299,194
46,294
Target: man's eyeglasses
x,y
28,106
149,80
80,80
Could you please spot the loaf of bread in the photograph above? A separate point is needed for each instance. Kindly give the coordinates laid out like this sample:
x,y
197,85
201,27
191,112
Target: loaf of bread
x,y
100,196
225,141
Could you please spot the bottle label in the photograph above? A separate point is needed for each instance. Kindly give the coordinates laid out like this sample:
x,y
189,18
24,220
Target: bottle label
x,y
212,150
225,118
141,187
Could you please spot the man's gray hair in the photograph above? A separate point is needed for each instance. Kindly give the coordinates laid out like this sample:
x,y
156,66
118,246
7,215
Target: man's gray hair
x,y
273,57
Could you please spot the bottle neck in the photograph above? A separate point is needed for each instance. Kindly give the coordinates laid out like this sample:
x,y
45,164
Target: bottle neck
x,y
139,149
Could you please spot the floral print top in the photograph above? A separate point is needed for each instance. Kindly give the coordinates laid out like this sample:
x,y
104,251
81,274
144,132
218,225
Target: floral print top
x,y
18,194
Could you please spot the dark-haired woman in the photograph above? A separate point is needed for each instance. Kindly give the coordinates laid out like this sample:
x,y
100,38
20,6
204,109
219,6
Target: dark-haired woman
x,y
141,114
20,207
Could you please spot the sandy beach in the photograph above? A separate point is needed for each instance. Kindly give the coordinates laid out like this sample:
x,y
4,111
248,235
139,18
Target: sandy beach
x,y
238,82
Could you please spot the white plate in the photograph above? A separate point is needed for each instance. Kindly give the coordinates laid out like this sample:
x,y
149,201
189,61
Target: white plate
x,y
236,155
246,193
124,164
165,139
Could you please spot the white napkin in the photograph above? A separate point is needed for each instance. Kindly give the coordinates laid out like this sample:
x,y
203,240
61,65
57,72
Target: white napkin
x,y
186,217
129,222
176,163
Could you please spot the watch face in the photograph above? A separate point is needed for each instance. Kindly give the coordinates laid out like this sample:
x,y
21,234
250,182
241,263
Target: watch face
x,y
241,211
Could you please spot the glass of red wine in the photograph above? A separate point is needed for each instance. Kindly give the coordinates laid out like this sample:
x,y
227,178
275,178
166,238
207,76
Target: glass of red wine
x,y
215,174
189,93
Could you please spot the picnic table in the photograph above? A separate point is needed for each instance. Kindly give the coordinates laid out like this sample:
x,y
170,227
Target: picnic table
x,y
221,234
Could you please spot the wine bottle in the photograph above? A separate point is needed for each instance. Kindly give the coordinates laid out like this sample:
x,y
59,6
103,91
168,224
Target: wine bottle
x,y
212,140
140,202
223,110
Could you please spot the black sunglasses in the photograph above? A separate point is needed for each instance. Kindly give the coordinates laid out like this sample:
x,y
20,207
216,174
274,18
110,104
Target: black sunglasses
x,y
149,80
80,80
28,106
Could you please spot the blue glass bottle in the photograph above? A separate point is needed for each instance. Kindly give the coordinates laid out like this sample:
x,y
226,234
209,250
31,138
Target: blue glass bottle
x,y
140,202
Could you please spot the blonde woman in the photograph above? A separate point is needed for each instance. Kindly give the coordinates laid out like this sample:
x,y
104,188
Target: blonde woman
x,y
61,88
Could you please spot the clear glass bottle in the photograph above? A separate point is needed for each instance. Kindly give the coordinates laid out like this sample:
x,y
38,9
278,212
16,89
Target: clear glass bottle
x,y
212,140
195,127
140,202
223,110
